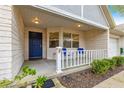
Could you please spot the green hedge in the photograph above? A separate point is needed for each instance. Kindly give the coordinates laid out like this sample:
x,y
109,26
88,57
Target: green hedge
x,y
101,66
119,60
111,62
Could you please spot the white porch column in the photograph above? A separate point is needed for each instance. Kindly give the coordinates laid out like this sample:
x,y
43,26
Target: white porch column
x,y
58,59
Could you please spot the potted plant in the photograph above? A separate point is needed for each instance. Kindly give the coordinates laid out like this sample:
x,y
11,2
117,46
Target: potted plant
x,y
43,82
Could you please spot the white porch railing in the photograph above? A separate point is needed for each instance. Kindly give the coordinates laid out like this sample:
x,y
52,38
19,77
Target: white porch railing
x,y
73,57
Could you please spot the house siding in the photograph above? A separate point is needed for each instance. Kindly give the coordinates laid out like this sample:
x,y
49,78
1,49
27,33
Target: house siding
x,y
5,42
11,42
17,42
74,9
96,39
94,13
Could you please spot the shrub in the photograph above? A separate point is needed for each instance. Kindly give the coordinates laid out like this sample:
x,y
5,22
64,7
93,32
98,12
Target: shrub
x,y
112,63
4,83
40,81
119,60
28,71
100,66
25,71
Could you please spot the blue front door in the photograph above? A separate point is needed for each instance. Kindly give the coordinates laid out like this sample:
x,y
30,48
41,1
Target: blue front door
x,y
35,45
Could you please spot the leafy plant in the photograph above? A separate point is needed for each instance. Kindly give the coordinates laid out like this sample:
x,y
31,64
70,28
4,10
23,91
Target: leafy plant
x,y
40,81
28,71
25,71
119,60
112,63
4,83
100,66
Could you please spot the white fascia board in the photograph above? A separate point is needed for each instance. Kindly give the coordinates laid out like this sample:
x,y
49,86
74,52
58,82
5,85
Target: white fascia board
x,y
104,15
70,15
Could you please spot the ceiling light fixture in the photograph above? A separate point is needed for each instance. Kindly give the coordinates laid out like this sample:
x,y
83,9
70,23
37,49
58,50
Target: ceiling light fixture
x,y
36,20
79,25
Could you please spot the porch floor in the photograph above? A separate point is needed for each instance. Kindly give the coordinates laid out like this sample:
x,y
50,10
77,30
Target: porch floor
x,y
47,68
43,67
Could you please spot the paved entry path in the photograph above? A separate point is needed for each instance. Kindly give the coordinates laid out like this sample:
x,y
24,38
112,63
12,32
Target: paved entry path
x,y
116,81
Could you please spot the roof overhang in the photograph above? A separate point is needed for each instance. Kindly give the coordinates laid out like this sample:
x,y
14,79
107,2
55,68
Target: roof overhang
x,y
82,20
47,19
108,16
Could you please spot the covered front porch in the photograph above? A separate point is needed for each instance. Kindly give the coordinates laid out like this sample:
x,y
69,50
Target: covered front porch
x,y
66,62
48,68
55,44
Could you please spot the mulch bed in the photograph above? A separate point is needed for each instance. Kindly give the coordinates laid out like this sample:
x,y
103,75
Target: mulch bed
x,y
86,79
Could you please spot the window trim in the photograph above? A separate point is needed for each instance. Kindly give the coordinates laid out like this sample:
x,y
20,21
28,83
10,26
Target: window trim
x,y
71,39
53,39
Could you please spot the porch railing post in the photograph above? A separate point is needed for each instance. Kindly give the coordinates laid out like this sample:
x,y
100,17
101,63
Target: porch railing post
x,y
58,60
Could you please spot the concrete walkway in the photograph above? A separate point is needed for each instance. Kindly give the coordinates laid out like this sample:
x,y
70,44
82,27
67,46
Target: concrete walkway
x,y
116,81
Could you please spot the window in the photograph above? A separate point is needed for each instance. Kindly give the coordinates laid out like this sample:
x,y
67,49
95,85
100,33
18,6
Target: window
x,y
75,40
70,40
53,39
67,40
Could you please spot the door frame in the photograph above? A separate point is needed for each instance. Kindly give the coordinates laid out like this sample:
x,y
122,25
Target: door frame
x,y
29,44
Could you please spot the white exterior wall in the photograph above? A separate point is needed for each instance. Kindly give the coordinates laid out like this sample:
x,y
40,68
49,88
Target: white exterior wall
x,y
73,9
5,42
94,13
26,38
11,42
51,52
96,39
17,42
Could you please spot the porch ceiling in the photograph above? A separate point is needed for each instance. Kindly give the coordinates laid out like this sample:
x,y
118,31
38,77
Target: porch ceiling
x,y
48,19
